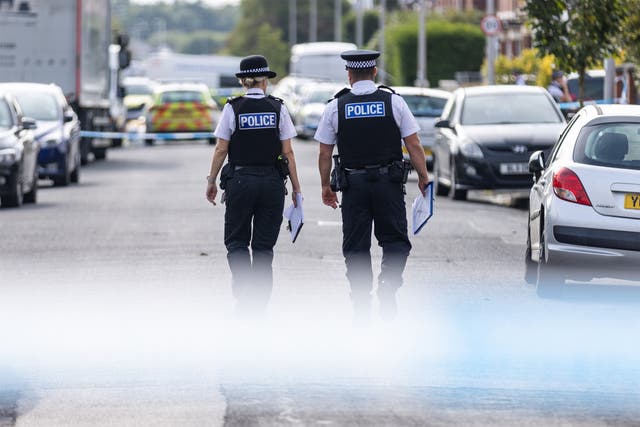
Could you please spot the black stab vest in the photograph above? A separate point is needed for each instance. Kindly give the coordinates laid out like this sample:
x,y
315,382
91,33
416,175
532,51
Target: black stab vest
x,y
256,138
367,132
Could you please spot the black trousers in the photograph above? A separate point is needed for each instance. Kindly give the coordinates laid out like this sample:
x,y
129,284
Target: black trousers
x,y
380,202
255,201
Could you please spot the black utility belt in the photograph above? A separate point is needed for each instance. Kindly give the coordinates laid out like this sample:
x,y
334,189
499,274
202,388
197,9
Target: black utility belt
x,y
382,170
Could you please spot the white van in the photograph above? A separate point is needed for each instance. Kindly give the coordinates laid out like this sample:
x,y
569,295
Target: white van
x,y
319,60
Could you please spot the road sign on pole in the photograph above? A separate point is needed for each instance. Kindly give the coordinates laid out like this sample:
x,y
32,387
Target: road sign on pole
x,y
491,25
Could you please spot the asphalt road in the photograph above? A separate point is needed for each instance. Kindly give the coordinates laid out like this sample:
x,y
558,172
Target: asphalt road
x,y
116,310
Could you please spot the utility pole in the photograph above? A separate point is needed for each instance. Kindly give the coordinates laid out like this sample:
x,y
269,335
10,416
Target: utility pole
x,y
491,48
359,36
337,21
421,75
382,74
293,22
313,21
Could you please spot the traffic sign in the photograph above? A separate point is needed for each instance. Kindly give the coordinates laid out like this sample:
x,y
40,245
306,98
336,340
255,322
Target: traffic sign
x,y
490,25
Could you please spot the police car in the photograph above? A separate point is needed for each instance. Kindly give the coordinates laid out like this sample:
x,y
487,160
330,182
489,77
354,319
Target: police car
x,y
181,107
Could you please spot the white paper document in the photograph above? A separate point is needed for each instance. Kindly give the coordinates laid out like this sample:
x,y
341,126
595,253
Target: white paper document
x,y
295,216
422,209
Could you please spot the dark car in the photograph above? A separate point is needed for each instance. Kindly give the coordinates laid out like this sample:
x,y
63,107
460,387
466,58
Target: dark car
x,y
18,155
486,135
57,131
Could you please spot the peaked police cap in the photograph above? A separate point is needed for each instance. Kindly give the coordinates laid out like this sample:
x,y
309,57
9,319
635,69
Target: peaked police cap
x,y
360,59
255,66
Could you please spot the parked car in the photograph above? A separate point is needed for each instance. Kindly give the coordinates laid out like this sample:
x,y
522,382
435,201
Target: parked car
x,y
18,155
137,95
584,206
427,106
313,100
289,89
181,107
57,129
486,135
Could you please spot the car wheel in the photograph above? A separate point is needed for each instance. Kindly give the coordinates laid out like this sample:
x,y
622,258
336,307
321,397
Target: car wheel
x,y
530,267
455,193
441,190
85,149
75,175
64,179
32,196
16,199
549,282
212,141
100,153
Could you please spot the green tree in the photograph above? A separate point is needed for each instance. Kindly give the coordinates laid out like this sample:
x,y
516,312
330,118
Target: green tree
x,y
630,33
579,33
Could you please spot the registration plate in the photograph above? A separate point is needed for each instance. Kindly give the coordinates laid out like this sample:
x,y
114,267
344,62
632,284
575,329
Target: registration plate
x,y
632,201
514,168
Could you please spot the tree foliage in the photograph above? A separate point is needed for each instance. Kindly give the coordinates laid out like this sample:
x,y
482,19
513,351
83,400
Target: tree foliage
x,y
579,33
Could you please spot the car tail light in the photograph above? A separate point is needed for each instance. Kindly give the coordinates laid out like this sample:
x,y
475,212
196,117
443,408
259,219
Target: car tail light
x,y
567,186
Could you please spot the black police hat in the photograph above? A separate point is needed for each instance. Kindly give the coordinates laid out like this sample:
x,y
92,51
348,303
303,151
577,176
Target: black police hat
x,y
360,59
255,66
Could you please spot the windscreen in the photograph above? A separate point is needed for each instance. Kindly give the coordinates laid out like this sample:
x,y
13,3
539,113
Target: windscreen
x,y
5,115
425,106
137,89
39,106
181,96
611,145
508,108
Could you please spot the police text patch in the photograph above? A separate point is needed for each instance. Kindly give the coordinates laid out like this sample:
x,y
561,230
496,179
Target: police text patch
x,y
257,121
362,110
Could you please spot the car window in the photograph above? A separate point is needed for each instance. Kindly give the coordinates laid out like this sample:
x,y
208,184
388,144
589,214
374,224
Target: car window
x,y
5,115
560,147
508,108
593,87
610,145
137,89
425,106
39,105
180,96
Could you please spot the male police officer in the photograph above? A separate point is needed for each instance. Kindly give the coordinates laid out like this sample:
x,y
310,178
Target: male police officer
x,y
368,123
256,131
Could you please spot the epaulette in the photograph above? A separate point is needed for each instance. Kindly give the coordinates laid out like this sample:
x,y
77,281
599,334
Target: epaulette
x,y
339,94
233,99
387,88
275,98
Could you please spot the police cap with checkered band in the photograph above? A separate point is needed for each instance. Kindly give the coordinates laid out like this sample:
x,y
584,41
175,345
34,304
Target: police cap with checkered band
x,y
360,59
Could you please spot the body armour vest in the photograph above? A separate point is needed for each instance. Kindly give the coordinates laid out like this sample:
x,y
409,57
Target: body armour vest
x,y
256,138
367,132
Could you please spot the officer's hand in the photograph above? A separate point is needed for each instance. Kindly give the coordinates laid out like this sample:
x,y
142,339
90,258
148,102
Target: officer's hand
x,y
329,198
422,184
212,191
294,197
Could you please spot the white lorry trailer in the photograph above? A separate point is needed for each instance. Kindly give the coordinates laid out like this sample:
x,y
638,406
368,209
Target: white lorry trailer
x,y
64,42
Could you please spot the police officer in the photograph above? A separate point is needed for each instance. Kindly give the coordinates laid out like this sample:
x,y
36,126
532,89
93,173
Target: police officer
x,y
255,131
368,124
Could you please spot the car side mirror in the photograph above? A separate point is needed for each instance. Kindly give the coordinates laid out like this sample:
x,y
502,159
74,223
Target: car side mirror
x,y
28,123
536,163
443,124
68,116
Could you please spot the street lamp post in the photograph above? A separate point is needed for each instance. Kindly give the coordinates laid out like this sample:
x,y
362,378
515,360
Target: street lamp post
x,y
421,75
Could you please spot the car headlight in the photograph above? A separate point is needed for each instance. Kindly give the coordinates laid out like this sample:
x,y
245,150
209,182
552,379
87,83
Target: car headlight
x,y
8,156
471,150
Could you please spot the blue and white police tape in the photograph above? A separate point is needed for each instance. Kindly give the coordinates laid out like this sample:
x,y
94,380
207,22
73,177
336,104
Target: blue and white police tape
x,y
137,135
575,105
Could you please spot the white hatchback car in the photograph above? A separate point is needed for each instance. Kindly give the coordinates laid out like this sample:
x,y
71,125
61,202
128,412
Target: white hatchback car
x,y
584,206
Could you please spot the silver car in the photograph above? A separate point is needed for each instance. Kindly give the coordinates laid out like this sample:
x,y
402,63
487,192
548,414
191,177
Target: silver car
x,y
584,206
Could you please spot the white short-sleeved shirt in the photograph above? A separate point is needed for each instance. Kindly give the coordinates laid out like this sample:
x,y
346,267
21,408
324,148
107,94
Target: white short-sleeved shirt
x,y
227,124
328,126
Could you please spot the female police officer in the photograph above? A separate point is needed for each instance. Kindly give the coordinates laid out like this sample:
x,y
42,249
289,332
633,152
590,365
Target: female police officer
x,y
367,123
255,131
